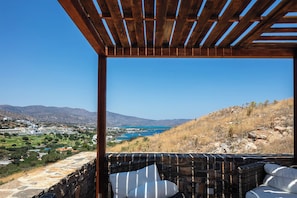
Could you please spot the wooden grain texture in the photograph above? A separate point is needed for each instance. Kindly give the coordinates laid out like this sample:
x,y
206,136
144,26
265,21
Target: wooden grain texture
x,y
233,10
173,28
116,18
210,11
246,21
149,22
97,21
277,13
138,23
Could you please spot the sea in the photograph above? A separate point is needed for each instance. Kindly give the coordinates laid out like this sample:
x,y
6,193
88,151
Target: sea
x,y
133,132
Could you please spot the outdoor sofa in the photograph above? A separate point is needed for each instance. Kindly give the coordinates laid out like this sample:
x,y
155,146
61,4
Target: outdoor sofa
x,y
267,180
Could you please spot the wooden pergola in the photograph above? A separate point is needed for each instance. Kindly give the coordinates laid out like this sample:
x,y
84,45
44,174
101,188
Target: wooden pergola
x,y
182,28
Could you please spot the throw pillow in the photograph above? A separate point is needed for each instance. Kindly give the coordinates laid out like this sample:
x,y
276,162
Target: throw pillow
x,y
122,183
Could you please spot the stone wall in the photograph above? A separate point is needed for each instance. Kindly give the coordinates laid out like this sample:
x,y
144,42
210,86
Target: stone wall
x,y
79,184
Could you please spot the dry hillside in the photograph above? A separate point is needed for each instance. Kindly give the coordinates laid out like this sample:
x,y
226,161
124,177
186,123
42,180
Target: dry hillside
x,y
254,128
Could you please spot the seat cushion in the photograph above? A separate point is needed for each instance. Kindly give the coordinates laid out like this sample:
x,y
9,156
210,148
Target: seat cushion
x,y
156,189
268,192
281,183
282,171
122,183
281,177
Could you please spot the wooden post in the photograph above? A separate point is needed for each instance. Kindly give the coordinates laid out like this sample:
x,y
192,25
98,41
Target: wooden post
x,y
101,129
295,107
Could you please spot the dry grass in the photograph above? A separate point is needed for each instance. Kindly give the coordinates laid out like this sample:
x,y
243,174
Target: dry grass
x,y
227,125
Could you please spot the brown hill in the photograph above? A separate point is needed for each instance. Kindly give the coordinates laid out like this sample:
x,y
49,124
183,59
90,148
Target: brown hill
x,y
254,128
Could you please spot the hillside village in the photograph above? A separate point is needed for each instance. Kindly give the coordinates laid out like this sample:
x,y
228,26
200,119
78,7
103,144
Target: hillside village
x,y
27,127
253,128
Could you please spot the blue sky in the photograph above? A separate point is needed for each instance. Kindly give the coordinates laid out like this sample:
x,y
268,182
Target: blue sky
x,y
45,60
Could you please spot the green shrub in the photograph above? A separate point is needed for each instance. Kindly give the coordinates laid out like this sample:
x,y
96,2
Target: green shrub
x,y
51,157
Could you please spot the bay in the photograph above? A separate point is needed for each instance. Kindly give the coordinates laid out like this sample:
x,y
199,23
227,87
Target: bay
x,y
133,132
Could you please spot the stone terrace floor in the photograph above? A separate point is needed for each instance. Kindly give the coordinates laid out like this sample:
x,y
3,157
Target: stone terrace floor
x,y
45,177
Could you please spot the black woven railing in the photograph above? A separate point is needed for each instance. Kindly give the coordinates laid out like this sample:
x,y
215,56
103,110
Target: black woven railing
x,y
196,175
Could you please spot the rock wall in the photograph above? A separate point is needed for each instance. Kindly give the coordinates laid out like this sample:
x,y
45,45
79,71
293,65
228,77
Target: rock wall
x,y
79,184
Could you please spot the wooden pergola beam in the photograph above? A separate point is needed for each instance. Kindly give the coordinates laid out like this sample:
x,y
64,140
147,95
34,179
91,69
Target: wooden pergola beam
x,y
74,10
295,106
257,52
101,128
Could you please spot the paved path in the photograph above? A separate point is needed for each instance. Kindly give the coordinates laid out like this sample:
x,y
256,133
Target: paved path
x,y
45,177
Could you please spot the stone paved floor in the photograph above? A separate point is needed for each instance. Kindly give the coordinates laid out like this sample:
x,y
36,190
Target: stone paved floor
x,y
34,183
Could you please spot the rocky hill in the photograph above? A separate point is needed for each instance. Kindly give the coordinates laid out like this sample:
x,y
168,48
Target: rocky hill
x,y
65,115
114,119
40,113
254,128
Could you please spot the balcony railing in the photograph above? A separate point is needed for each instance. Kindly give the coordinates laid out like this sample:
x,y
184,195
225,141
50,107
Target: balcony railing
x,y
196,175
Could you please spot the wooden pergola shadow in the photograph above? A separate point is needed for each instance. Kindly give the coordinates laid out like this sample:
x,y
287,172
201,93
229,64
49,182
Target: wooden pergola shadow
x,y
183,28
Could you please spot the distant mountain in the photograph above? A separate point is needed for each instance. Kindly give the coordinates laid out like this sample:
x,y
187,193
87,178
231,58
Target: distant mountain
x,y
114,119
78,116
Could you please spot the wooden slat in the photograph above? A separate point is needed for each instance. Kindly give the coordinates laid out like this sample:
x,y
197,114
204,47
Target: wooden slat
x,y
285,19
213,18
188,24
293,8
170,18
265,38
118,21
112,28
138,22
127,10
91,23
259,7
165,9
104,8
161,12
273,16
281,30
149,15
167,33
209,12
282,46
172,9
97,21
113,31
181,19
78,16
233,10
203,32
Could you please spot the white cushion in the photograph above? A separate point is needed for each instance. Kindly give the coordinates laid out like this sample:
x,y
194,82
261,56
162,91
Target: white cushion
x,y
268,192
122,183
282,183
283,171
156,189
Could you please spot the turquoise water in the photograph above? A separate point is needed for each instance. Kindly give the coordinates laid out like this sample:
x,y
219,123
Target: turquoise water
x,y
141,131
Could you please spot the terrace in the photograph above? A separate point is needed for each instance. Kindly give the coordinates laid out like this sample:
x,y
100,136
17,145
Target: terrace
x,y
184,29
